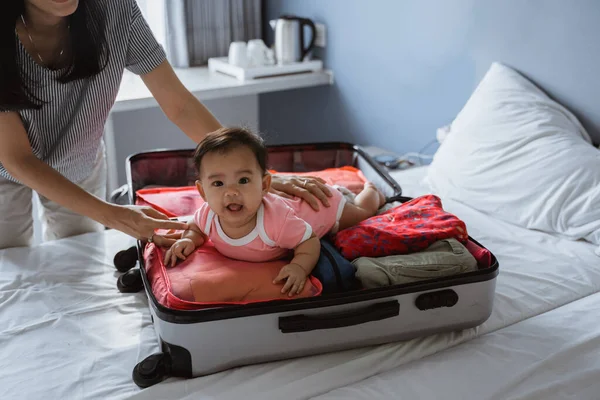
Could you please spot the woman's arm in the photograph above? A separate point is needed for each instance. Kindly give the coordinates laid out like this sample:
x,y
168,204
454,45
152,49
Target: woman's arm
x,y
196,121
20,162
178,104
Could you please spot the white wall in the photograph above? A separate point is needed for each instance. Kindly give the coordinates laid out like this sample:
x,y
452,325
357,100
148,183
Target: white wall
x,y
405,68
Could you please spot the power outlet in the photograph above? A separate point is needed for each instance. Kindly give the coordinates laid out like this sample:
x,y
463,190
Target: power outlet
x,y
320,35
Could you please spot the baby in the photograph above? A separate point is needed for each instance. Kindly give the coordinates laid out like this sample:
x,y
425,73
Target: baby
x,y
246,222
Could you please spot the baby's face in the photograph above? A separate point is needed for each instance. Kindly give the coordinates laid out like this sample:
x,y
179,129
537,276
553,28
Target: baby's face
x,y
233,185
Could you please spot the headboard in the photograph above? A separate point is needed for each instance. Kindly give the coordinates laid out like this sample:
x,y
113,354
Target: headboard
x,y
553,43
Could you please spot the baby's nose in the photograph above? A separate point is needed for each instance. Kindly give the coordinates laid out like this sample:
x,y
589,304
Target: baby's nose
x,y
232,192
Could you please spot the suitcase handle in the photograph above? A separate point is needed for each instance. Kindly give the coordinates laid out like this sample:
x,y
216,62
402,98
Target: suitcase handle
x,y
305,323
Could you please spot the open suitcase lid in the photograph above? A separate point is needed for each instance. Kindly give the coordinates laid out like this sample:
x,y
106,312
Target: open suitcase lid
x,y
175,167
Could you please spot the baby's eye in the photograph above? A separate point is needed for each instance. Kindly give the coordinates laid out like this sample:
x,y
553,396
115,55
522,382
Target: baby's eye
x,y
217,183
244,181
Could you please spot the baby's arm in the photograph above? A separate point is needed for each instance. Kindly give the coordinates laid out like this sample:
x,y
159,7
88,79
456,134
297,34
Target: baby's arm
x,y
194,234
191,238
306,255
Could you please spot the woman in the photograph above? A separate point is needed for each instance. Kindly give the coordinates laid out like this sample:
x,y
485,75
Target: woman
x,y
61,63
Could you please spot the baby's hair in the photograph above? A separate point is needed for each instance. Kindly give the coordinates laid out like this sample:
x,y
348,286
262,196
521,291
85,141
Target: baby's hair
x,y
226,139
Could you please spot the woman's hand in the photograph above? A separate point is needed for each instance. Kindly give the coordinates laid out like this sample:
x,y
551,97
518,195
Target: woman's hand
x,y
140,221
166,240
309,188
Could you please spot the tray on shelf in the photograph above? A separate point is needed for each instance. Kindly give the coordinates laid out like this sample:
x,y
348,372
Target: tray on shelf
x,y
220,64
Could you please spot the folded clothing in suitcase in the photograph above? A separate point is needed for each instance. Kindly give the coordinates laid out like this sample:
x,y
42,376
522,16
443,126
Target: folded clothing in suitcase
x,y
410,227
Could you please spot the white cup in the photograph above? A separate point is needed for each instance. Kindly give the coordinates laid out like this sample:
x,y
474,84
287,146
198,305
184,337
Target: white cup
x,y
258,53
238,54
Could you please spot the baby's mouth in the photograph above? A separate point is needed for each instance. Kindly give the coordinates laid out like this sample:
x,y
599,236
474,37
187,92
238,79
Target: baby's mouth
x,y
235,207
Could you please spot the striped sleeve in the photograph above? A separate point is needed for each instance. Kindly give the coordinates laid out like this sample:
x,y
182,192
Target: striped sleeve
x,y
144,53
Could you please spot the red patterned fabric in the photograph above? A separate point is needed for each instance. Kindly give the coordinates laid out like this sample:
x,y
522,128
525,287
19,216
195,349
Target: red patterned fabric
x,y
407,228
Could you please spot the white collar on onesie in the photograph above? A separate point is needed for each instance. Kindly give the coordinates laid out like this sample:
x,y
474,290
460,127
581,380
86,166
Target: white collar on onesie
x,y
259,229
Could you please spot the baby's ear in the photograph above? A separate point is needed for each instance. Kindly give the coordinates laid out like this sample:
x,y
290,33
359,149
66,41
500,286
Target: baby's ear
x,y
200,189
266,183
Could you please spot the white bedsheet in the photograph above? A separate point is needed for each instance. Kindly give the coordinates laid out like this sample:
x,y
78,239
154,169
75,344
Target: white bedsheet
x,y
65,330
555,355
64,325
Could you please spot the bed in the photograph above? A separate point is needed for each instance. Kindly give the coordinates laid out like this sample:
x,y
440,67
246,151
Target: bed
x,y
66,332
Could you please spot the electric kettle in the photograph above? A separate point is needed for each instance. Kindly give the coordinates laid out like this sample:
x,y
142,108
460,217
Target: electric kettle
x,y
289,38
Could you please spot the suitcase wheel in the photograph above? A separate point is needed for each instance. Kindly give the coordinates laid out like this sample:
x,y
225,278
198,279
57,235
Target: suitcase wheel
x,y
124,260
152,370
131,281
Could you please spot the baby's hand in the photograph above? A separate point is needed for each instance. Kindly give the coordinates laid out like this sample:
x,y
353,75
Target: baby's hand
x,y
296,277
180,249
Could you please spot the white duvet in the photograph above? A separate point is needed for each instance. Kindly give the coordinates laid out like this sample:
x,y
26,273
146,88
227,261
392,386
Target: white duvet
x,y
64,325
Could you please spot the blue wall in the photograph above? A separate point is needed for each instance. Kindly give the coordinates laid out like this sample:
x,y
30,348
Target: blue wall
x,y
403,68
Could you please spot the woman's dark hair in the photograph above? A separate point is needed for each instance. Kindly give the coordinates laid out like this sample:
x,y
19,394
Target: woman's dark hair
x,y
226,139
89,52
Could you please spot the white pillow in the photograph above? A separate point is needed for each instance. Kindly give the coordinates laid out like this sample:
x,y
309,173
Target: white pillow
x,y
514,153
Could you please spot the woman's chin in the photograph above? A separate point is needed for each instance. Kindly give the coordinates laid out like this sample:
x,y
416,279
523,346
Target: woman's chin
x,y
60,8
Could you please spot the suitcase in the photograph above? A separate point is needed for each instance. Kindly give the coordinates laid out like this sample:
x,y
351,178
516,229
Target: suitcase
x,y
200,342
